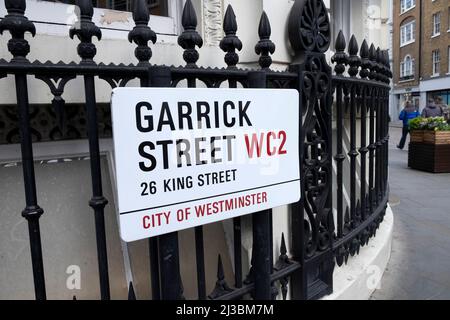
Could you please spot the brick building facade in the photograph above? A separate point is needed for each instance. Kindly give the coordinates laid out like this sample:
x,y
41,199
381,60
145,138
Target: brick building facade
x,y
421,49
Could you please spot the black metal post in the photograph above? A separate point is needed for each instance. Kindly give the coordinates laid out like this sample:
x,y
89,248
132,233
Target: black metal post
x,y
32,211
363,151
340,157
199,244
153,242
87,51
171,288
353,154
262,261
98,201
18,24
340,58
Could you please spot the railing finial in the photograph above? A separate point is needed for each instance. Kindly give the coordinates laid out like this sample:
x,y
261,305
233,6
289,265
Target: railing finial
x,y
388,64
373,62
190,38
365,62
221,287
17,24
340,57
353,60
141,33
131,293
230,42
380,66
265,45
86,31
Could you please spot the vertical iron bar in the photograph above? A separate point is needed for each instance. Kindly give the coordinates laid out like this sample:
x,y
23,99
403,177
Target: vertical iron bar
x,y
377,148
237,252
386,146
200,258
18,24
154,267
353,154
32,211
171,288
371,150
98,201
153,242
382,143
363,151
237,235
299,279
340,157
170,267
199,244
261,225
85,31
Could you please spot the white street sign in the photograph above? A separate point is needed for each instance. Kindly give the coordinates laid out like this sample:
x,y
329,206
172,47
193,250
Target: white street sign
x,y
190,157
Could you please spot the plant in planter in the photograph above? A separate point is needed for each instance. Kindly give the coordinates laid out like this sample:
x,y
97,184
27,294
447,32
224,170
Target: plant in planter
x,y
437,131
430,145
417,128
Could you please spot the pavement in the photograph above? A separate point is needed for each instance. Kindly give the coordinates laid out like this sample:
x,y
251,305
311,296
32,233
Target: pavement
x,y
419,268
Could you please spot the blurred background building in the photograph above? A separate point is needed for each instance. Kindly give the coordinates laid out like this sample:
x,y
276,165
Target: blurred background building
x,y
421,52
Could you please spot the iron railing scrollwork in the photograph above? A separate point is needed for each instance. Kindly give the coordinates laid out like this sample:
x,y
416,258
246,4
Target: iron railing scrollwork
x,y
321,234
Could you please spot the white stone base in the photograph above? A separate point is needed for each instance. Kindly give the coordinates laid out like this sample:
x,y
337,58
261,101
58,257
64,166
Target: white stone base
x,y
361,276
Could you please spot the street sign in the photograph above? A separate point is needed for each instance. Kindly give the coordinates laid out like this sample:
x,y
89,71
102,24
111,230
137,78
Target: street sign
x,y
190,157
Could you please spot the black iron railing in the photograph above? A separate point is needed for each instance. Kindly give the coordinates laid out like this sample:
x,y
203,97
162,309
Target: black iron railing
x,y
319,236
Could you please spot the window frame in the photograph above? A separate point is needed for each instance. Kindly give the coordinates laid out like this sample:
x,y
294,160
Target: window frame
x,y
53,18
448,19
448,60
436,63
403,7
437,21
403,33
407,68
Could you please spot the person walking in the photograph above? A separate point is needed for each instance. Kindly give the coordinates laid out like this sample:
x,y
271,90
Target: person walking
x,y
432,110
445,109
408,113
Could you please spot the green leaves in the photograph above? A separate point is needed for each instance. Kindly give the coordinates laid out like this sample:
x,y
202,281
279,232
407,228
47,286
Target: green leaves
x,y
429,124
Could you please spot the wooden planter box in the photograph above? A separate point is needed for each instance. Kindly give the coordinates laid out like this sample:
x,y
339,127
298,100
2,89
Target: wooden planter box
x,y
427,157
417,135
436,137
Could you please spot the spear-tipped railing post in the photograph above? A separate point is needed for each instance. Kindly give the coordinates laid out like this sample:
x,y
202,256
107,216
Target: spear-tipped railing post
x,y
190,38
87,51
365,62
141,33
230,43
221,287
17,24
265,46
353,60
340,57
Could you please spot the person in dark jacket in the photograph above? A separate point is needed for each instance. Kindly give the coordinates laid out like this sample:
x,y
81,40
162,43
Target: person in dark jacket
x,y
432,110
445,109
408,113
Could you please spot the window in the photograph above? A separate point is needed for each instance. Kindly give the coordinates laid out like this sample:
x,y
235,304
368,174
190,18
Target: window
x,y
436,24
407,68
448,19
448,59
157,7
436,62
55,17
407,33
407,5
